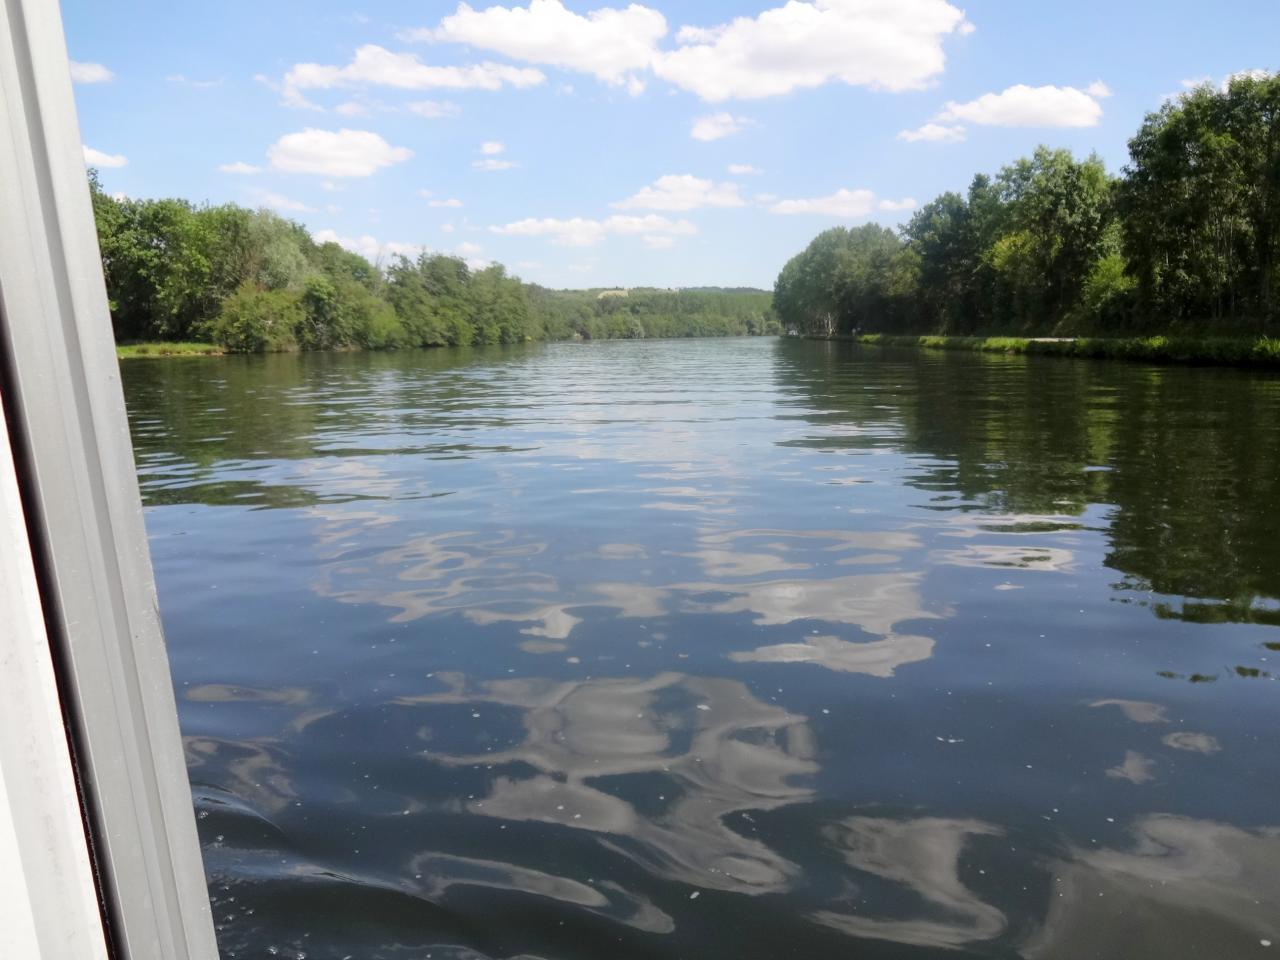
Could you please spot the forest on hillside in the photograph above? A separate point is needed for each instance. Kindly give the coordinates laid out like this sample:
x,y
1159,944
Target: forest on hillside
x,y
251,281
1185,240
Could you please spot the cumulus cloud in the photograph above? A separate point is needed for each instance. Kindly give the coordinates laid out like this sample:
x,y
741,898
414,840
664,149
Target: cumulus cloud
x,y
450,203
239,168
581,232
285,205
376,66
897,206
182,80
90,73
717,126
744,170
607,43
1024,106
472,254
845,204
1254,74
869,43
370,247
1225,83
934,133
800,44
434,109
683,192
344,153
96,158
492,151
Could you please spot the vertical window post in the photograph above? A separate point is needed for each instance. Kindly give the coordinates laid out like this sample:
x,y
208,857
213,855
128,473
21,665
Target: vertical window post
x,y
79,496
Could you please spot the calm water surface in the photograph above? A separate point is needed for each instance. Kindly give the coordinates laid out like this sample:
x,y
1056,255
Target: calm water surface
x,y
741,649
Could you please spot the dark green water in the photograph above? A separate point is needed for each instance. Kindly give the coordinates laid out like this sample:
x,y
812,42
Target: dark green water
x,y
741,649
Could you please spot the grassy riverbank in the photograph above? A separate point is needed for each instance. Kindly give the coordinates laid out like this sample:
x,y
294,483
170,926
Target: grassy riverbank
x,y
1233,351
129,351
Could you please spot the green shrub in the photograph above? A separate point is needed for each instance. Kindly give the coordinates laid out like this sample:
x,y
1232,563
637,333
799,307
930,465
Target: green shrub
x,y
255,321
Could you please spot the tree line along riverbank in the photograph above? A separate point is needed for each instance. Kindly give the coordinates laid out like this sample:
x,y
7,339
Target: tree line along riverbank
x,y
187,280
1175,259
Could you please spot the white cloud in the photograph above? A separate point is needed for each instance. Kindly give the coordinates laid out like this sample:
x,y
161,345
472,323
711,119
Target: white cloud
x,y
434,109
683,192
450,204
580,232
872,43
1193,83
376,66
717,126
90,73
607,43
370,247
96,158
1098,90
1254,74
447,228
897,206
845,204
492,148
934,133
1024,106
659,243
197,84
352,108
493,164
744,170
277,202
345,153
239,168
471,254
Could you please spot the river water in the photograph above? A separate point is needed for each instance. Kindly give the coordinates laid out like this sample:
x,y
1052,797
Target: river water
x,y
741,649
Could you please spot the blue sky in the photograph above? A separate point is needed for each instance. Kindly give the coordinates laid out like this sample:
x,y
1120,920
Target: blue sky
x,y
559,138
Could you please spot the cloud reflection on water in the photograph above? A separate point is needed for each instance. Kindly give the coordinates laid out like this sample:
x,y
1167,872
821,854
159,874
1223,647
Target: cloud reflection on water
x,y
714,749
922,856
1187,889
499,577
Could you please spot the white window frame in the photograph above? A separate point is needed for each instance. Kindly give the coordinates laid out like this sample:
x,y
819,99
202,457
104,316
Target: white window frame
x,y
81,512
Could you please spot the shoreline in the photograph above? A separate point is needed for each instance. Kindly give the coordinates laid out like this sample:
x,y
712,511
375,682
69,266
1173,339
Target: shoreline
x,y
168,350
162,350
1260,351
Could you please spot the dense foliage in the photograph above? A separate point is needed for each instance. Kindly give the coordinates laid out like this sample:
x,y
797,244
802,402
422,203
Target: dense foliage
x,y
251,281
1186,239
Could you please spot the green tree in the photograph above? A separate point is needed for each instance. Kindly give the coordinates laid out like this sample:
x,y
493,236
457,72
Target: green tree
x,y
1201,203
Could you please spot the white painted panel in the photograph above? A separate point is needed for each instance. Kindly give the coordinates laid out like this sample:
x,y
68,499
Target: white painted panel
x,y
48,905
